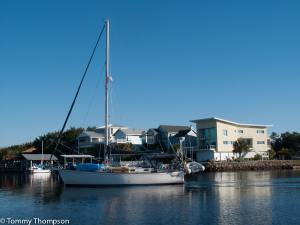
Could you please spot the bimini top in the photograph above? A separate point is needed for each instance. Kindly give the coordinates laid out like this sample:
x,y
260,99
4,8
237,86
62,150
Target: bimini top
x,y
77,156
229,122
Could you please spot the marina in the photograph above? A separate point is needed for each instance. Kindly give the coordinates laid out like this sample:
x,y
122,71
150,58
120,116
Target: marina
x,y
247,197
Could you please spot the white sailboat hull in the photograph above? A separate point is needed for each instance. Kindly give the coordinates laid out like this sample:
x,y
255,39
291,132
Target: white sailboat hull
x,y
39,171
80,178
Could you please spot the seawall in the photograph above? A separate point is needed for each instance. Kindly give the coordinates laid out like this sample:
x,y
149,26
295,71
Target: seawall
x,y
251,165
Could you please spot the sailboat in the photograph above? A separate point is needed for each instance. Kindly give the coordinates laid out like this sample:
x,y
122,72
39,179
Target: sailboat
x,y
108,175
39,168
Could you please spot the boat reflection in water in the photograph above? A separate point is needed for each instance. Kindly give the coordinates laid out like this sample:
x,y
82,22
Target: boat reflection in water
x,y
258,197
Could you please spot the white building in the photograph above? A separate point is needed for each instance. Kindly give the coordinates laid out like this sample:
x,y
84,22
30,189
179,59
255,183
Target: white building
x,y
136,137
215,139
88,139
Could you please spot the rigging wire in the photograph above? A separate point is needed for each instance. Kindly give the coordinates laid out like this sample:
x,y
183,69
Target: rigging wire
x,y
113,93
62,130
143,89
100,77
112,108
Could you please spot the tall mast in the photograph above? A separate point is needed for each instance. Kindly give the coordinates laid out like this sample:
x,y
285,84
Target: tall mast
x,y
106,89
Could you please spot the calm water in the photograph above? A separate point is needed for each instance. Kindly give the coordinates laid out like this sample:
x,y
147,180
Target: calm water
x,y
263,197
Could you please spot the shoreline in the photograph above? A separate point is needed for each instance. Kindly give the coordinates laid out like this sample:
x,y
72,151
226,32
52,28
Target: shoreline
x,y
251,165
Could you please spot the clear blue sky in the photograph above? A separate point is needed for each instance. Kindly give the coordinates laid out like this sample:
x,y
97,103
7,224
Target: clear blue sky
x,y
171,61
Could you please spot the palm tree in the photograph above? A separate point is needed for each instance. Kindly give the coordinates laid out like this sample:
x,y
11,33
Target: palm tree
x,y
240,146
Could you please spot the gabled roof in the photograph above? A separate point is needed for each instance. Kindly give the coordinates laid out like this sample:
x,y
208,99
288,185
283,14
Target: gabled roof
x,y
90,134
182,133
174,129
132,131
154,130
38,156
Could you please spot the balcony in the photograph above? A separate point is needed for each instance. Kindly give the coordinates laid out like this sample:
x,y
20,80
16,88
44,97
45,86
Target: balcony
x,y
207,147
89,143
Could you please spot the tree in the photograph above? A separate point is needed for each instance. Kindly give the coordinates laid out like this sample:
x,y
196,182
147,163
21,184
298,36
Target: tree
x,y
288,153
288,141
91,128
240,146
273,137
174,148
125,146
272,154
257,157
3,153
160,146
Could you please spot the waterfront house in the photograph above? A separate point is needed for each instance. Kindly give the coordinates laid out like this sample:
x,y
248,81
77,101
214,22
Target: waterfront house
x,y
168,135
215,139
88,139
136,137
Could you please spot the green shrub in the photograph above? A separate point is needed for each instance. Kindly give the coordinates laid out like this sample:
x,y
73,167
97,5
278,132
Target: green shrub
x,y
239,160
257,157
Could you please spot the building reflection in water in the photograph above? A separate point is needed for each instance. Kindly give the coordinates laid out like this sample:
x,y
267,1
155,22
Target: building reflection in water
x,y
214,198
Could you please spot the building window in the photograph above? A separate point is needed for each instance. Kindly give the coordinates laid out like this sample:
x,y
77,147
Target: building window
x,y
212,132
224,132
260,131
151,138
203,133
229,142
224,142
94,139
241,131
260,142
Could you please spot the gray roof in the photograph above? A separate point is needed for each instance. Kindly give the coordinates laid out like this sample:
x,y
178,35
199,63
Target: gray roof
x,y
174,129
183,133
132,131
90,134
38,156
155,131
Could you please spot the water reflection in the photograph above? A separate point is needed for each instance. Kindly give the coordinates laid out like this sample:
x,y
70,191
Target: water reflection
x,y
219,198
237,197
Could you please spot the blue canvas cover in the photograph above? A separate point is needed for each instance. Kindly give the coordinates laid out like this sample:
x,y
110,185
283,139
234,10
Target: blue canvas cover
x,y
88,167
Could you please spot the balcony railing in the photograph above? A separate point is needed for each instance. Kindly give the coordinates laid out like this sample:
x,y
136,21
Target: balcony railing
x,y
207,147
89,143
202,137
121,141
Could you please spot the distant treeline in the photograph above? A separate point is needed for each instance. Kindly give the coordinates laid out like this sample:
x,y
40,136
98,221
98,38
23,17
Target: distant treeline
x,y
68,140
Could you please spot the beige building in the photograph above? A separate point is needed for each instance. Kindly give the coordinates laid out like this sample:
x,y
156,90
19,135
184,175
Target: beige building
x,y
215,139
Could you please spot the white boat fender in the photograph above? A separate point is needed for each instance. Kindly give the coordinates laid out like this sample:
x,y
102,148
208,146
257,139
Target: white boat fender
x,y
188,171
